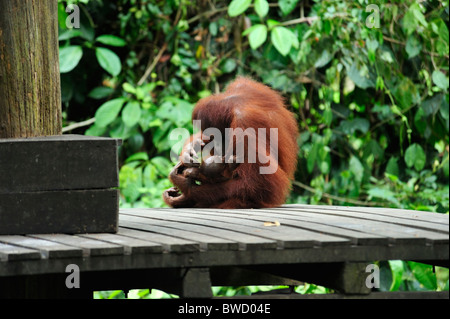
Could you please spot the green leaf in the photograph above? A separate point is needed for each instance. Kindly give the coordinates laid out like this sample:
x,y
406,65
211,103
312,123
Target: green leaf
x,y
87,30
424,274
409,22
100,92
440,79
415,156
397,268
312,157
111,40
127,87
120,130
161,163
372,45
95,130
176,110
350,127
419,122
282,38
443,110
160,137
445,168
405,93
417,12
108,112
62,16
431,105
69,58
258,36
412,18
130,182
361,80
323,59
356,168
228,66
109,61
238,7
383,194
327,116
140,156
131,113
443,31
413,46
272,23
392,166
373,150
213,28
287,6
261,7
442,45
65,34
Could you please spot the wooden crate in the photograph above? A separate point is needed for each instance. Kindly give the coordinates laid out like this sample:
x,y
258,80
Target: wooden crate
x,y
65,184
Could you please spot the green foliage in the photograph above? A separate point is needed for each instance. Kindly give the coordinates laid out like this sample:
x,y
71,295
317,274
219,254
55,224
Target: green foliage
x,y
370,91
238,7
397,275
133,294
217,292
69,57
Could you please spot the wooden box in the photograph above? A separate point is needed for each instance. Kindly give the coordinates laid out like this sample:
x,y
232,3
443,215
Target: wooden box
x,y
59,184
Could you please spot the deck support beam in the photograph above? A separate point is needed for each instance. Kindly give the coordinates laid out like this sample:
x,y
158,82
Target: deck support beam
x,y
196,283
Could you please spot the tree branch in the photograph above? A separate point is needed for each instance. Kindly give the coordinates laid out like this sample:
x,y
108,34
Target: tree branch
x,y
340,199
78,125
386,38
152,66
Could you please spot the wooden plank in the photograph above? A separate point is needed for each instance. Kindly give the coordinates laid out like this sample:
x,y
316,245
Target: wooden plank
x,y
130,245
60,162
89,246
71,211
426,225
206,242
245,241
216,224
355,237
48,249
396,233
276,257
286,237
374,295
170,244
12,253
402,213
285,230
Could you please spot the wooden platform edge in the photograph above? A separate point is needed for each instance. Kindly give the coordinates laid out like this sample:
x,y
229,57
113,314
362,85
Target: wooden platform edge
x,y
373,295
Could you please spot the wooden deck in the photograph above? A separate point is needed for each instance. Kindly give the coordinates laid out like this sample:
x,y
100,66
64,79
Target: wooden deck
x,y
185,251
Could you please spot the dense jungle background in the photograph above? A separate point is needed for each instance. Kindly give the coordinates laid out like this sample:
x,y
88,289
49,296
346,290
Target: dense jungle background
x,y
368,83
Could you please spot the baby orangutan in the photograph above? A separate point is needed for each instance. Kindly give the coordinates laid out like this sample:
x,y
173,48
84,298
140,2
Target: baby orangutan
x,y
252,173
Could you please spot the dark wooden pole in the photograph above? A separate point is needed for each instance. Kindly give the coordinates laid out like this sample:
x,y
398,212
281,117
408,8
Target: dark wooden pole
x,y
30,93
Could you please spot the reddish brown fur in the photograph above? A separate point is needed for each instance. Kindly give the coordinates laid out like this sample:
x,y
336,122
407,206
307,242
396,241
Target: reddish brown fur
x,y
245,104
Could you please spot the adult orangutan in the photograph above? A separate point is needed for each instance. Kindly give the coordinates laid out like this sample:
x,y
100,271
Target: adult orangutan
x,y
248,146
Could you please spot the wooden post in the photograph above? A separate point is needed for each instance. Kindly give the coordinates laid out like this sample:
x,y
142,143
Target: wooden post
x,y
196,283
71,181
30,93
